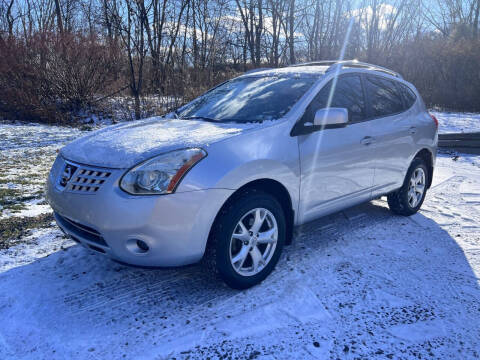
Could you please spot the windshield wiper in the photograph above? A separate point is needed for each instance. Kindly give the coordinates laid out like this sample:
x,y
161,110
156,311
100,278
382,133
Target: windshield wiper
x,y
204,118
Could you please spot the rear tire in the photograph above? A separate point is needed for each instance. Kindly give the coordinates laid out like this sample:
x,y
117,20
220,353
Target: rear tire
x,y
409,198
247,239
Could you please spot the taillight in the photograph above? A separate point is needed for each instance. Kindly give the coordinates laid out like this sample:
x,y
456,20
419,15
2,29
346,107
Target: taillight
x,y
435,120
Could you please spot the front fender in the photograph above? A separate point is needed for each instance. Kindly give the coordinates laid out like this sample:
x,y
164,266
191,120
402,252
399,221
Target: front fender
x,y
265,153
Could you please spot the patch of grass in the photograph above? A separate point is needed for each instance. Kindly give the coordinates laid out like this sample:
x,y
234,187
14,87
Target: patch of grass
x,y
14,200
9,198
29,185
15,208
14,196
8,193
22,181
13,229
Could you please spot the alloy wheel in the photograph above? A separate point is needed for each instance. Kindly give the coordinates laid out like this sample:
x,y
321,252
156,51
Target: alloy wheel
x,y
416,187
253,242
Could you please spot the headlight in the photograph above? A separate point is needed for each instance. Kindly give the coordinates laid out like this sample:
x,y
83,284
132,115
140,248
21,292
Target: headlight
x,y
162,174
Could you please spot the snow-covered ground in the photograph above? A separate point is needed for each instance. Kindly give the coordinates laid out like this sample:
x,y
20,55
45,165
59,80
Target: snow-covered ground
x,y
454,122
27,152
358,284
362,283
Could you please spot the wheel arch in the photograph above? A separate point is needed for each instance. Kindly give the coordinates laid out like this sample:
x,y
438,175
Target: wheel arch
x,y
274,188
426,155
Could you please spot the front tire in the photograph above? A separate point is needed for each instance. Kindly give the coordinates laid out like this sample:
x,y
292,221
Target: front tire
x,y
247,239
409,198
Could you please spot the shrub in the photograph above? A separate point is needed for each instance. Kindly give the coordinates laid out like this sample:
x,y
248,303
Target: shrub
x,y
50,76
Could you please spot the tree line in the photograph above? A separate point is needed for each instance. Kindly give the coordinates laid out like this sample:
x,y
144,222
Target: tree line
x,y
59,57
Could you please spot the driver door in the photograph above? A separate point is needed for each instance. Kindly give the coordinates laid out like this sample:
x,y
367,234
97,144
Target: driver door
x,y
337,164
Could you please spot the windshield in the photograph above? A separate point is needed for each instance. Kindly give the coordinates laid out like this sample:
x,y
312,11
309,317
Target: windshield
x,y
248,99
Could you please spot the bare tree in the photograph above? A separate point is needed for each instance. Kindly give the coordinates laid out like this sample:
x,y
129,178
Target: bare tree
x,y
251,12
175,49
130,25
58,12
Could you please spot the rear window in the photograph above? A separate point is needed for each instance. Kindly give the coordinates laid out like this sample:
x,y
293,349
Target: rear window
x,y
385,98
408,95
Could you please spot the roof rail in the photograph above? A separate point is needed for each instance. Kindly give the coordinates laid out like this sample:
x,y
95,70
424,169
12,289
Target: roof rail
x,y
339,64
318,63
256,70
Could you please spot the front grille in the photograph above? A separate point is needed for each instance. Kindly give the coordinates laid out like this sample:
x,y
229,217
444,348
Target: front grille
x,y
87,179
80,230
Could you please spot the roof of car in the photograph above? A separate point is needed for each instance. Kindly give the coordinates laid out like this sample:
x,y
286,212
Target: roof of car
x,y
320,68
290,70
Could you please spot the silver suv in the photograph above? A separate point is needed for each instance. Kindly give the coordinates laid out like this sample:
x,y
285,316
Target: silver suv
x,y
228,176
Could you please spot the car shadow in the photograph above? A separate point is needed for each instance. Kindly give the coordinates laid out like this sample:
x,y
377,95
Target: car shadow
x,y
363,275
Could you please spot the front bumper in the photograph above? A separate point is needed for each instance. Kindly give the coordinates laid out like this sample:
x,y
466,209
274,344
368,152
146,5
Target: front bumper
x,y
175,227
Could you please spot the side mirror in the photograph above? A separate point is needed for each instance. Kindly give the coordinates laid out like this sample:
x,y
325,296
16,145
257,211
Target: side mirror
x,y
328,118
331,117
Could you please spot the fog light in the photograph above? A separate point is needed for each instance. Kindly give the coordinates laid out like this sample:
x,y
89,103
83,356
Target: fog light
x,y
142,245
137,246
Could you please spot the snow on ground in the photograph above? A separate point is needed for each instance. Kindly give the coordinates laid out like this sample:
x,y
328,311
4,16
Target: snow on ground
x,y
358,284
362,283
454,122
26,153
39,243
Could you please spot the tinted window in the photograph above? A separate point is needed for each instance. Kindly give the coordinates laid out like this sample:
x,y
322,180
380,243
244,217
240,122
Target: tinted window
x,y
385,99
248,99
348,93
408,95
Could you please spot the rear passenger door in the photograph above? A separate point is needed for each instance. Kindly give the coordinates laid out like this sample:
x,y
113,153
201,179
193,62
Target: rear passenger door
x,y
392,130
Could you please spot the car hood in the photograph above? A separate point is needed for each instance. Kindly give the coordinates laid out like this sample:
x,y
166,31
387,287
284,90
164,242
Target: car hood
x,y
125,145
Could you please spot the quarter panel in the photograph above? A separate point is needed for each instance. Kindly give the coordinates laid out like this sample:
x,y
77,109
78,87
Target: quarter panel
x,y
427,134
396,146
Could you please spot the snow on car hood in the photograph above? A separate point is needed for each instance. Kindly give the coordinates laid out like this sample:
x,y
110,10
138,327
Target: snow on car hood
x,y
125,145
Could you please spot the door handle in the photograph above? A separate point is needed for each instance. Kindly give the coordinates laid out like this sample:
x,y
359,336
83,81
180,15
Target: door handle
x,y
367,140
412,130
